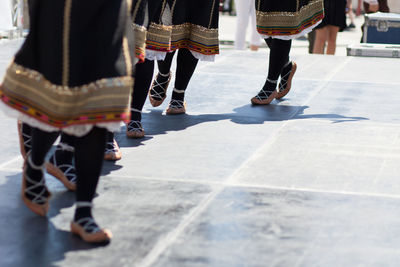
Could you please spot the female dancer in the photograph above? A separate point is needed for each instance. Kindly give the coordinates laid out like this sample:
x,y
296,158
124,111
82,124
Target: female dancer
x,y
279,22
65,77
191,27
195,36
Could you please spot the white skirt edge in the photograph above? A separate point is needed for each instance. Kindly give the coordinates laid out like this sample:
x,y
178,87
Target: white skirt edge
x,y
75,130
294,36
157,55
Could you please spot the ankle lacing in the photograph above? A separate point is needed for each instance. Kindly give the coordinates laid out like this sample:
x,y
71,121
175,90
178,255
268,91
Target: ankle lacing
x,y
264,94
67,168
87,223
162,85
134,126
176,104
38,197
111,147
283,82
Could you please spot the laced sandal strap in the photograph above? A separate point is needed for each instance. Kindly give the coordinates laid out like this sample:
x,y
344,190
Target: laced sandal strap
x,y
65,147
34,166
136,110
84,204
27,139
179,91
88,224
176,104
111,147
264,94
163,85
38,197
134,126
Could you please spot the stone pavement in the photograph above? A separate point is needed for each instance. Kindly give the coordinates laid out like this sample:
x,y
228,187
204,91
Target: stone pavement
x,y
312,180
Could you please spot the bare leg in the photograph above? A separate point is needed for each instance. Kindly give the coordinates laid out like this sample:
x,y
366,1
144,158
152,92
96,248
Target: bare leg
x,y
332,34
321,36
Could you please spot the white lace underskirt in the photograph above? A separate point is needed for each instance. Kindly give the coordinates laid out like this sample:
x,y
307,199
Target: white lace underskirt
x,y
291,37
157,55
75,130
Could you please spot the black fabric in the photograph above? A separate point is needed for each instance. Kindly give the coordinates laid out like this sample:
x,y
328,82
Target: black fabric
x,y
185,67
335,14
96,29
26,135
203,13
144,76
281,5
278,56
68,139
138,12
164,66
89,154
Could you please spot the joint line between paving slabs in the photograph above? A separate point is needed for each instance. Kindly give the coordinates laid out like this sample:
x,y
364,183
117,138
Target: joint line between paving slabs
x,y
168,240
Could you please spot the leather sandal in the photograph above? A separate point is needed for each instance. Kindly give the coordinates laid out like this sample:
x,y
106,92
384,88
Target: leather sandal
x,y
134,129
284,90
88,229
257,100
157,97
112,152
24,141
176,107
40,202
64,172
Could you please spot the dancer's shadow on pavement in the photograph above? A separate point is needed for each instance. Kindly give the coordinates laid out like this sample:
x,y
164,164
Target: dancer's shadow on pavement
x,y
31,240
157,123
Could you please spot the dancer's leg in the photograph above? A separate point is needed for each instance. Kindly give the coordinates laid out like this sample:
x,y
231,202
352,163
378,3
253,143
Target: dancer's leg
x,y
160,85
89,151
35,193
61,163
278,58
186,65
143,77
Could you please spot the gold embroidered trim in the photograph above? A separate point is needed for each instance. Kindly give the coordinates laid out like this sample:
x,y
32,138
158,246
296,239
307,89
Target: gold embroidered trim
x,y
160,35
289,19
66,33
140,36
196,33
30,88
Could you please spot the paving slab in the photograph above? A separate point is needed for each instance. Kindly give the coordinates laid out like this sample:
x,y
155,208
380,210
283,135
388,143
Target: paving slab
x,y
310,180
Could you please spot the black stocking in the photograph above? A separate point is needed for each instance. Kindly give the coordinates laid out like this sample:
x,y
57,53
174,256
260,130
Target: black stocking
x,y
186,65
41,144
89,153
143,77
164,67
278,59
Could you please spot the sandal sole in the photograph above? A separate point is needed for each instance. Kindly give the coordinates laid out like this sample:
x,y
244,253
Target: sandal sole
x,y
257,102
99,237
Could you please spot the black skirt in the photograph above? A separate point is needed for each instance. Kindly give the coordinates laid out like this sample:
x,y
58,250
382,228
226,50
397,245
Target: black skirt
x,y
288,19
185,24
335,14
75,66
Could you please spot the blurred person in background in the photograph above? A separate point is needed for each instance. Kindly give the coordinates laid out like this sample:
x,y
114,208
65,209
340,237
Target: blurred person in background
x,y
246,11
326,32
